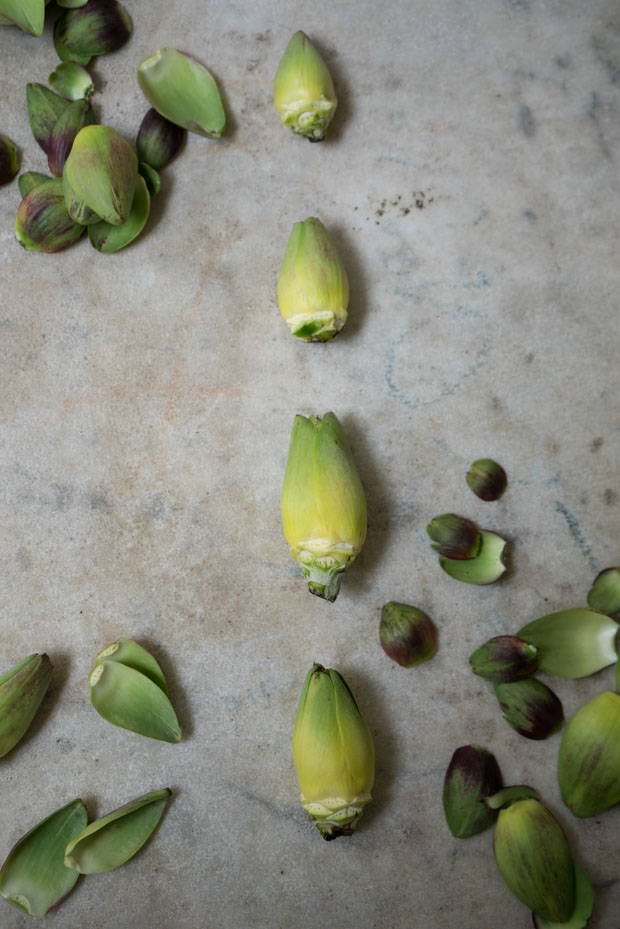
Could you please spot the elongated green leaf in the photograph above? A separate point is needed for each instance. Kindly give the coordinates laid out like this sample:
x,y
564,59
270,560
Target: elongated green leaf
x,y
589,758
44,108
129,699
604,595
183,91
114,839
29,15
108,238
21,691
584,904
151,178
30,179
572,643
134,656
34,877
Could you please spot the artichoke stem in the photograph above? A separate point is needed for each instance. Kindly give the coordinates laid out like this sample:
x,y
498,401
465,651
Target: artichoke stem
x,y
328,830
324,581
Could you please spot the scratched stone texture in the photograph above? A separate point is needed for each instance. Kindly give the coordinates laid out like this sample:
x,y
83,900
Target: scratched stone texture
x,y
470,181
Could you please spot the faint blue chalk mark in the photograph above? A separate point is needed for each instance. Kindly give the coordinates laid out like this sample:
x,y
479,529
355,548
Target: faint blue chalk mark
x,y
395,160
479,281
481,215
397,394
575,530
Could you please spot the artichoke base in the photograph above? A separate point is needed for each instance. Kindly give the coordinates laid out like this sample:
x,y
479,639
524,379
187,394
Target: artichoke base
x,y
309,118
334,816
321,326
324,576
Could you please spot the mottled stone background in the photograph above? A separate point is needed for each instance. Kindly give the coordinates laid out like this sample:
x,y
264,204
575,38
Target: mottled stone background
x,y
470,181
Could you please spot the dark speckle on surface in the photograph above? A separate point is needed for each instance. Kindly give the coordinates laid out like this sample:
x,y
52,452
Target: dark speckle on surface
x,y
526,121
420,199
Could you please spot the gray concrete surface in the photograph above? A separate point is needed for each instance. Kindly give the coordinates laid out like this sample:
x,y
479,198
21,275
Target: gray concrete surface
x,y
470,181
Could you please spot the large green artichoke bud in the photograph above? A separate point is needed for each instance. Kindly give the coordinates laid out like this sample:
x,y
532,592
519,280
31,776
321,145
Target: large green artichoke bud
x,y
323,504
303,90
534,859
589,759
100,176
313,288
333,753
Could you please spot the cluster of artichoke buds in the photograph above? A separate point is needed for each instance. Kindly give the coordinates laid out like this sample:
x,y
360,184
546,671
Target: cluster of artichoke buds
x,y
128,688
333,753
466,553
569,643
44,865
531,848
589,757
529,706
95,182
323,503
104,188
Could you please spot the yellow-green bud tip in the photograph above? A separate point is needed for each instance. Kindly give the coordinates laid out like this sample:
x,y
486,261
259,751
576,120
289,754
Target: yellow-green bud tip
x,y
303,90
323,504
333,753
313,288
